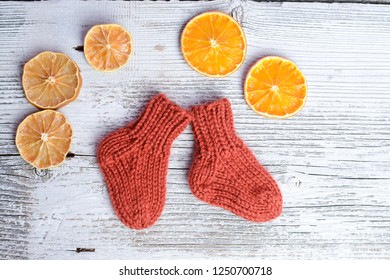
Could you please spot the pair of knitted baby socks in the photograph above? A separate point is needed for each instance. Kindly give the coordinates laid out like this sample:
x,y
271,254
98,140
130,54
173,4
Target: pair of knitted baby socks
x,y
224,173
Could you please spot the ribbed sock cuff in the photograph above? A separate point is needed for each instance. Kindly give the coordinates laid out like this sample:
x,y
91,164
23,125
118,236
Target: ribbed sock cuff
x,y
162,121
213,125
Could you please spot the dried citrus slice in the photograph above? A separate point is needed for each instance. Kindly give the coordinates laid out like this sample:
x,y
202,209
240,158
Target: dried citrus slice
x,y
275,88
213,44
107,47
51,80
44,138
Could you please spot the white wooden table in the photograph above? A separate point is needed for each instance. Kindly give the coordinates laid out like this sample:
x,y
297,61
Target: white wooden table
x,y
332,161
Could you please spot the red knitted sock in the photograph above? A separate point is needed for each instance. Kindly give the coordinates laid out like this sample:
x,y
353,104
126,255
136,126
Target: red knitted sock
x,y
134,162
225,172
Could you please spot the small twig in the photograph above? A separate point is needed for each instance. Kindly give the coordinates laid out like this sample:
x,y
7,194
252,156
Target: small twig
x,y
79,48
80,250
70,155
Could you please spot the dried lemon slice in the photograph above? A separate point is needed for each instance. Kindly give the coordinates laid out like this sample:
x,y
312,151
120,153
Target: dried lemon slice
x,y
107,47
44,139
51,80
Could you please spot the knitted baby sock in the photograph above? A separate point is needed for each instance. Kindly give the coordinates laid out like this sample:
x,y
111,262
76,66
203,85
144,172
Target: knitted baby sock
x,y
225,172
134,162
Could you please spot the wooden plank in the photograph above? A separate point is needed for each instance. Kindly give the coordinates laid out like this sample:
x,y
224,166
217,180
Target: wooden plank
x,y
331,160
378,2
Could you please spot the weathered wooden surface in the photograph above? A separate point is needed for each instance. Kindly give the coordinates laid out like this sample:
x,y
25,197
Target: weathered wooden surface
x,y
332,161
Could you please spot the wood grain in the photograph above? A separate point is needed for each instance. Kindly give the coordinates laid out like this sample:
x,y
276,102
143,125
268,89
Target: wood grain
x,y
331,161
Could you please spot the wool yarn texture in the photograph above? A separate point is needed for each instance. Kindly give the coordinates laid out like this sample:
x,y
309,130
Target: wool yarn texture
x,y
225,172
134,162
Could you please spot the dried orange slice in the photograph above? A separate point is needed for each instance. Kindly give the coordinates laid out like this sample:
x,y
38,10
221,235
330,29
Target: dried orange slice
x,y
44,138
107,47
213,44
51,80
275,88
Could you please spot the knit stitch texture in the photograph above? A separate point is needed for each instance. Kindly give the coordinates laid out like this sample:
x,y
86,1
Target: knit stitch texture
x,y
225,172
134,162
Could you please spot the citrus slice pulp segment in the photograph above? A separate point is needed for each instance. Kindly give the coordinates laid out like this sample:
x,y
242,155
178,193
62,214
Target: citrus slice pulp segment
x,y
213,44
256,96
51,80
107,47
44,139
275,88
